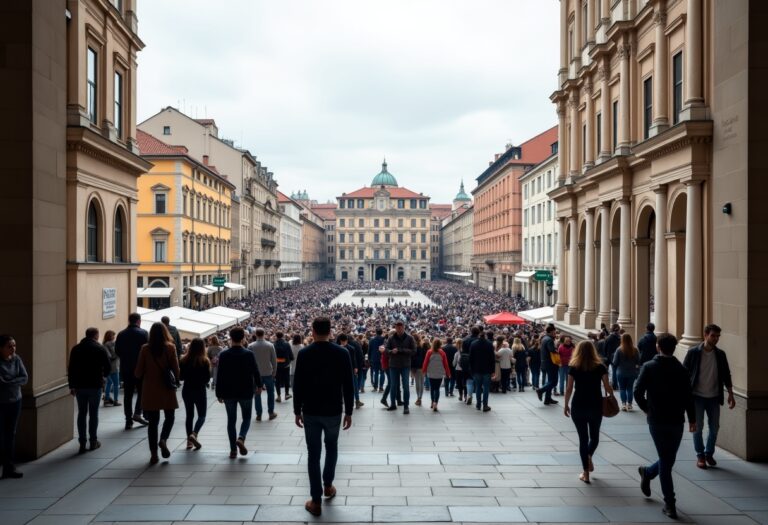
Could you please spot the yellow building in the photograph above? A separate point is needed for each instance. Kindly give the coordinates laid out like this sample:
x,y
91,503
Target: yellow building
x,y
183,228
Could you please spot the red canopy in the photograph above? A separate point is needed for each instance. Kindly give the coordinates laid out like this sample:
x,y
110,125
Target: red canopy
x,y
504,318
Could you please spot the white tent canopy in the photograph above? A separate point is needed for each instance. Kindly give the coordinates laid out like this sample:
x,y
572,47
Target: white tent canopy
x,y
192,323
142,311
538,315
288,279
525,276
240,315
201,290
459,274
234,286
156,293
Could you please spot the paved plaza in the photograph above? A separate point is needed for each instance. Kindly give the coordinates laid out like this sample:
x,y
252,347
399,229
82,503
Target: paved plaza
x,y
517,463
380,298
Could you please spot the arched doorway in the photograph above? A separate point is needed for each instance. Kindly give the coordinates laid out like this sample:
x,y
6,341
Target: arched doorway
x,y
344,275
644,268
400,274
159,303
381,273
676,265
361,274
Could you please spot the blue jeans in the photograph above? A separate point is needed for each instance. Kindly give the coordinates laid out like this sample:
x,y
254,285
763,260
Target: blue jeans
x,y
626,384
230,405
562,374
667,440
535,375
269,386
399,376
361,379
314,428
88,401
551,382
521,377
377,378
482,385
711,407
434,389
450,383
113,385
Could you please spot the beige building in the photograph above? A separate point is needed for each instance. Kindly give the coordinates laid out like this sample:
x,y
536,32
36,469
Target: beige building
x,y
456,238
439,213
327,212
540,240
383,232
655,116
259,259
289,271
313,242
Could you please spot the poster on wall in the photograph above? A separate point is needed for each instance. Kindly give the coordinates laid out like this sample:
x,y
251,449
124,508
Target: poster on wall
x,y
109,303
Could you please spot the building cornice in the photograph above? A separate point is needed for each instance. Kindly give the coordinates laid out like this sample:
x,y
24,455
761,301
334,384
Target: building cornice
x,y
88,142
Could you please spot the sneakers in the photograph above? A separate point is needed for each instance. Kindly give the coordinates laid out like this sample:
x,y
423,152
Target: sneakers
x,y
108,403
551,402
272,415
358,404
313,508
624,407
670,511
390,409
540,393
469,400
701,463
94,444
278,399
486,408
645,482
288,396
240,444
384,402
117,404
138,418
258,417
164,450
329,491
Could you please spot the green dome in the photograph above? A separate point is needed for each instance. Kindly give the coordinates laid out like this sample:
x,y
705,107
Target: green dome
x,y
462,196
384,178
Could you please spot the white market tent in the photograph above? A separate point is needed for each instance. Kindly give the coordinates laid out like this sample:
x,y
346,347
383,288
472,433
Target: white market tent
x,y
192,323
288,279
234,286
141,310
459,274
153,293
240,315
201,290
538,315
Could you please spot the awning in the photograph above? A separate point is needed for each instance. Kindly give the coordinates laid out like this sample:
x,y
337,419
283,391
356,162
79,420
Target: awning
x,y
459,274
193,323
221,322
524,277
191,329
538,315
503,318
154,293
234,286
213,289
240,315
288,279
142,311
200,290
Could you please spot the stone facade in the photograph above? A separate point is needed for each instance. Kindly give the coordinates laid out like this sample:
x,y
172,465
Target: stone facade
x,y
290,270
456,240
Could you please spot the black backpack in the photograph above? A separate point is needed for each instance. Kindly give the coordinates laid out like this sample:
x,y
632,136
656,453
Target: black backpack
x,y
464,361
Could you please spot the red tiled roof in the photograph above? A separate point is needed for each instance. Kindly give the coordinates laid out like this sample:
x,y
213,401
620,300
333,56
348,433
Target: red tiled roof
x,y
282,197
327,212
395,193
538,148
205,121
440,211
150,145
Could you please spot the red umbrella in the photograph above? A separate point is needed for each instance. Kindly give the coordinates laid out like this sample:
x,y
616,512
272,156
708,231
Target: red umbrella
x,y
504,318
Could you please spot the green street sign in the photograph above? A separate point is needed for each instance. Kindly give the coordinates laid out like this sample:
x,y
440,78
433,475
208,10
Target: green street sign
x,y
219,281
543,275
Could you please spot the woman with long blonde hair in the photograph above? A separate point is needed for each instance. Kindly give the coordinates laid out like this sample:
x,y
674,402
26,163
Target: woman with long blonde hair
x,y
585,374
626,362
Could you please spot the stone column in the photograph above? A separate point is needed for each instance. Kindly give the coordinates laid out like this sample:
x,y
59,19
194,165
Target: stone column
x,y
605,13
604,316
692,320
605,110
591,22
562,294
572,315
625,265
694,108
578,37
623,147
660,116
588,314
660,295
563,73
562,128
589,143
574,169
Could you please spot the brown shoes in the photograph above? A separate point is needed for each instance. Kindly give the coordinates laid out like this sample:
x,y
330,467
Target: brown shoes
x,y
329,491
313,508
710,461
701,463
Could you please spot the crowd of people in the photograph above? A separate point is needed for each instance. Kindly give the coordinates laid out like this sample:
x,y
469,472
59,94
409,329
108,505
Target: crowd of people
x,y
440,347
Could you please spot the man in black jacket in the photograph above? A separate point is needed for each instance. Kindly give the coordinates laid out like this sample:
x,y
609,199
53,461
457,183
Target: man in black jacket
x,y
482,363
612,342
450,351
322,386
174,335
88,366
663,392
710,374
399,348
127,347
284,356
547,348
238,378
374,358
647,344
356,358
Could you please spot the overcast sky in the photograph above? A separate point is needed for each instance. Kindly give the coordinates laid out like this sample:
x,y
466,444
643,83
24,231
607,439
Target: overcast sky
x,y
321,90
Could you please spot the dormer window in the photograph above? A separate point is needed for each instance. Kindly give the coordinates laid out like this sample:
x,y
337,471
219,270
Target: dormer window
x,y
166,130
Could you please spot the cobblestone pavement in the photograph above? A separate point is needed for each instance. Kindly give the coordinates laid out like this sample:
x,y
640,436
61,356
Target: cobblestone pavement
x,y
517,463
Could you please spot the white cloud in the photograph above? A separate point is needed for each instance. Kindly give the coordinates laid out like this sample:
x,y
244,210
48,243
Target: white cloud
x,y
321,90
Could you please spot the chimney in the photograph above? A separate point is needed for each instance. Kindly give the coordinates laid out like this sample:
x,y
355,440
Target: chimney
x,y
205,160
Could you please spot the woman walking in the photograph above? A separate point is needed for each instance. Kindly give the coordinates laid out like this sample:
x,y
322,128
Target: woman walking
x,y
195,372
520,358
436,368
586,373
626,362
504,356
416,362
13,376
113,379
214,349
565,350
156,360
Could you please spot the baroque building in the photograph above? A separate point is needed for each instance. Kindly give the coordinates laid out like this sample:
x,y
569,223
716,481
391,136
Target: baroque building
x,y
456,238
290,268
383,232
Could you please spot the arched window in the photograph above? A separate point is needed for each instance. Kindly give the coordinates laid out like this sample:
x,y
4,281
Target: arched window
x,y
119,237
92,240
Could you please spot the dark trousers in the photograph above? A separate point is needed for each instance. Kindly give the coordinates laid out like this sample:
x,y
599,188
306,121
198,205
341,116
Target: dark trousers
x,y
377,378
246,409
449,383
461,383
535,375
153,416
588,428
131,385
667,440
551,382
521,378
9,419
194,399
482,386
88,401
385,395
283,380
316,430
434,389
505,375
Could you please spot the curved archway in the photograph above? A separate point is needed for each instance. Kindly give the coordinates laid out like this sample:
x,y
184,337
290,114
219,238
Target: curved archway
x,y
120,241
380,274
94,230
676,263
644,248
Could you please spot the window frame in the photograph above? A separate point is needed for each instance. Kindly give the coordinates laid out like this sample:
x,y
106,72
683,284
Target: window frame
x,y
92,84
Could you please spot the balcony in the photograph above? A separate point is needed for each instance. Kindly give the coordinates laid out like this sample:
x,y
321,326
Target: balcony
x,y
267,243
256,263
277,264
268,227
267,263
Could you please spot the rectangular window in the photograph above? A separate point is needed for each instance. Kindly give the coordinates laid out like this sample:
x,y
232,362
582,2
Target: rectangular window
x,y
361,237
647,106
91,91
525,250
361,254
549,210
413,254
159,203
400,254
386,223
423,204
399,223
525,217
401,203
341,223
360,203
341,237
342,254
119,104
413,237
423,254
677,87
423,223
375,223
549,179
525,191
376,254
375,237
342,203
549,248
615,124
583,144
599,131
386,237
413,204
399,237
159,251
361,223
423,237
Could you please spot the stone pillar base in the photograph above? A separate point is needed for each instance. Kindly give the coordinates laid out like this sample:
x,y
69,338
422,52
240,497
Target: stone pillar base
x,y
572,317
623,150
588,319
695,112
46,423
559,311
603,318
742,429
658,128
686,341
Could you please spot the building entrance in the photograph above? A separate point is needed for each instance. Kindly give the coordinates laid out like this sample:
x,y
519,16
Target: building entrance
x,y
381,273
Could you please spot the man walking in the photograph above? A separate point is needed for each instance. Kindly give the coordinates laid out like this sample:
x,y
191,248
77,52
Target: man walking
x,y
663,392
88,366
612,342
400,347
284,356
174,335
238,379
548,366
266,359
450,352
482,363
323,381
374,358
708,368
127,346
647,344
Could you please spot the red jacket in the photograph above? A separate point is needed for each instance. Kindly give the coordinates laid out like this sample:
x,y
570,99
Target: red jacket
x,y
444,359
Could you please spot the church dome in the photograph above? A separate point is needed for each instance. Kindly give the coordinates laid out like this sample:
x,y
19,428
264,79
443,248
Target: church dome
x,y
462,196
384,178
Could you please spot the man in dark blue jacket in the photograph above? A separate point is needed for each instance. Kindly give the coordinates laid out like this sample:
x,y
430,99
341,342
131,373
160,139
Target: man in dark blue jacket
x,y
547,349
88,366
374,358
482,363
663,392
710,375
237,379
127,346
647,344
450,351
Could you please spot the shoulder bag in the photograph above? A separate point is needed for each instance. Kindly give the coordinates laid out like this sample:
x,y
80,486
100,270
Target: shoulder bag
x,y
169,377
610,406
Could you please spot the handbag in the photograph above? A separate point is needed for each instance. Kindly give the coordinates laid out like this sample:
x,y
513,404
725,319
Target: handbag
x,y
610,406
555,357
169,377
